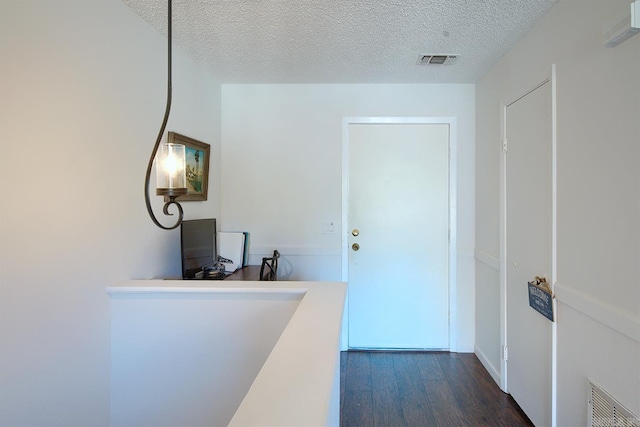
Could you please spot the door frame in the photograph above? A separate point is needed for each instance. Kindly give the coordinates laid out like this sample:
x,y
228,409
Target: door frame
x,y
452,275
548,77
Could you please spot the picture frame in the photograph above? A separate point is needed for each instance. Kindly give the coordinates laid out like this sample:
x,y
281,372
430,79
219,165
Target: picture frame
x,y
197,159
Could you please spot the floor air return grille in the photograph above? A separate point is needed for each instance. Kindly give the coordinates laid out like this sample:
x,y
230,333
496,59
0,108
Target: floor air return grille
x,y
605,411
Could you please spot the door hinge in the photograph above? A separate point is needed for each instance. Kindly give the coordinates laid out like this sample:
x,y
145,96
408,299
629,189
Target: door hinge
x,y
505,353
504,145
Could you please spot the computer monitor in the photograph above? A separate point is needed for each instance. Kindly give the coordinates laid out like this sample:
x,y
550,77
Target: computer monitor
x,y
198,246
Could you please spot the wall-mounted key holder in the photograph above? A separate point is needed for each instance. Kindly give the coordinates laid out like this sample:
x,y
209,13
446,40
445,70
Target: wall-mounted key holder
x,y
540,297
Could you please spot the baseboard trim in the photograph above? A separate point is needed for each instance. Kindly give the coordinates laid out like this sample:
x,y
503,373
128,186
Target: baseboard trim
x,y
619,320
495,373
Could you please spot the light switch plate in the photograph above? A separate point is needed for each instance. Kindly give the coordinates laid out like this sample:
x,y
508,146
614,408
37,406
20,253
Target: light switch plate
x,y
328,228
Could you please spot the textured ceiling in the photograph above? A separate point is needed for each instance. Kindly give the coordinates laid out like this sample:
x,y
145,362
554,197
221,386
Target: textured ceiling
x,y
344,41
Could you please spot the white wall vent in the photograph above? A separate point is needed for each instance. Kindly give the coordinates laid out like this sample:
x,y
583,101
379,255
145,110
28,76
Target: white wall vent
x,y
436,59
605,411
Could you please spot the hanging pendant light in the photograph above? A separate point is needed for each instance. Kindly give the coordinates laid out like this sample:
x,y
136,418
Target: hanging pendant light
x,y
169,159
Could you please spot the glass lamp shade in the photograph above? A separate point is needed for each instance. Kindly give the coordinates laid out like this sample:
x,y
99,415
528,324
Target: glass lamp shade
x,y
170,170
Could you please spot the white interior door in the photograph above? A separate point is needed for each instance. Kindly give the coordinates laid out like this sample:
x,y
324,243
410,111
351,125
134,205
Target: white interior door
x,y
398,216
529,251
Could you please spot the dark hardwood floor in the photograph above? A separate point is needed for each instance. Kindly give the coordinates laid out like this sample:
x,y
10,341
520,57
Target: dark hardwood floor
x,y
393,389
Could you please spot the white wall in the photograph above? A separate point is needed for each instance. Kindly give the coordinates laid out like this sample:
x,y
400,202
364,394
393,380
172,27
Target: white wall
x,y
82,97
598,287
281,176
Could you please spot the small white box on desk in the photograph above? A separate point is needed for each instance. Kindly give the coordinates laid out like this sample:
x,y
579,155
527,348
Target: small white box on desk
x,y
231,246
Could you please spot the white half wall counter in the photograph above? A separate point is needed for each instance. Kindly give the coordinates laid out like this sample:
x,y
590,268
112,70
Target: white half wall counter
x,y
209,353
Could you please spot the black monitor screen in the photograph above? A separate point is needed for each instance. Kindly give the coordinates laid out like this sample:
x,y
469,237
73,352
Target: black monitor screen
x,y
198,244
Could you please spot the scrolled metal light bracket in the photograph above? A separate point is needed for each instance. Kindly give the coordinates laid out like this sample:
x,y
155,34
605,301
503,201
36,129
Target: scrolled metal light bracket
x,y
171,193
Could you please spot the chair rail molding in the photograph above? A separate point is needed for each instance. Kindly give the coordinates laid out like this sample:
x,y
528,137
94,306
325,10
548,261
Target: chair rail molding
x,y
622,321
297,250
487,258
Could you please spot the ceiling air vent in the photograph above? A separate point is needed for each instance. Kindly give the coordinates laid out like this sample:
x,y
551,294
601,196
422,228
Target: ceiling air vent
x,y
436,59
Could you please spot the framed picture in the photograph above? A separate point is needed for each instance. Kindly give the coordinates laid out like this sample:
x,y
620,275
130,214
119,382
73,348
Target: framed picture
x,y
197,166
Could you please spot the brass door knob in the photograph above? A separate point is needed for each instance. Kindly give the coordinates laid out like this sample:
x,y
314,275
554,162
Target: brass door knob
x,y
355,232
355,246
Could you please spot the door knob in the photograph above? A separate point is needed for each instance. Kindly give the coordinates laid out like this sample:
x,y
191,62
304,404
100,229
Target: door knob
x,y
355,232
355,246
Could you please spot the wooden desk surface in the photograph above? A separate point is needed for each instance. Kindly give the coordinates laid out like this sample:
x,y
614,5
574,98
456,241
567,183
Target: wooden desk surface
x,y
249,272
